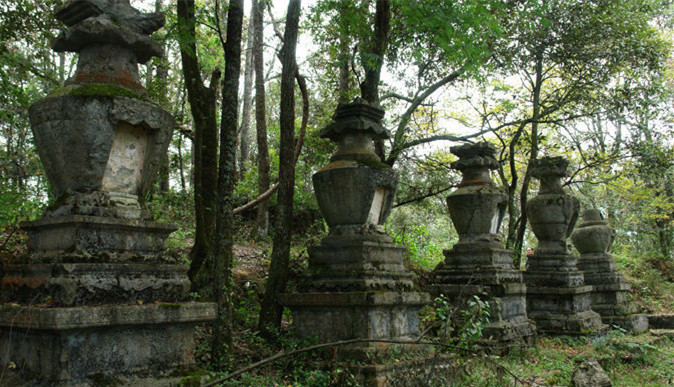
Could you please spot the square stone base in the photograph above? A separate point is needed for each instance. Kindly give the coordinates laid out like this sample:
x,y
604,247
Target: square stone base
x,y
563,311
509,323
329,317
93,345
425,371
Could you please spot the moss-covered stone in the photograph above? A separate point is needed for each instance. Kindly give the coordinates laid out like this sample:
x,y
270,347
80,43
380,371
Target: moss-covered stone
x,y
97,90
373,164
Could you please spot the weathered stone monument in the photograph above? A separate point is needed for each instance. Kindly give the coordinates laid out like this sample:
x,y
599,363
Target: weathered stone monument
x,y
593,238
479,264
558,299
97,299
357,286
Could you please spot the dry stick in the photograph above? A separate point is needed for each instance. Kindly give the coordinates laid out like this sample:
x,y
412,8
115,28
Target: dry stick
x,y
352,341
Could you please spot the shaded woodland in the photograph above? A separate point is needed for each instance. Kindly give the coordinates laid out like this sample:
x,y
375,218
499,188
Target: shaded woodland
x,y
251,84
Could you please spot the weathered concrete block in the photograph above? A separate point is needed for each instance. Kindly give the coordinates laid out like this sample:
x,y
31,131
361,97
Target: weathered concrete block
x,y
84,345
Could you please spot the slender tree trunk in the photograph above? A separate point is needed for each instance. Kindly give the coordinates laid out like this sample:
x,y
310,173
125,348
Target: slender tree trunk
x,y
160,94
373,61
222,332
343,55
536,110
263,182
271,311
244,145
202,103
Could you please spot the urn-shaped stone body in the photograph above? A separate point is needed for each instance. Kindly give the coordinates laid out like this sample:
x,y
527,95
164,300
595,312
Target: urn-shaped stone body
x,y
110,143
477,207
355,190
593,234
553,213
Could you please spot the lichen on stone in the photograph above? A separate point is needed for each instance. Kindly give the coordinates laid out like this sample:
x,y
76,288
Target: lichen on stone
x,y
97,90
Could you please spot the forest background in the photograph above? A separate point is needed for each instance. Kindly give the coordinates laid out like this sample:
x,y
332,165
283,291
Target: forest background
x,y
588,80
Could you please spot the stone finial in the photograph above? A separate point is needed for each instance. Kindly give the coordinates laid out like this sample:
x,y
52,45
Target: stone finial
x,y
358,116
480,155
356,125
111,38
475,162
115,22
549,167
477,207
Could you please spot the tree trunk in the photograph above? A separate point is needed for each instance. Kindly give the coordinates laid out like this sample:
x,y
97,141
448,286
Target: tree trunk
x,y
244,145
271,311
222,332
160,95
343,55
372,62
536,110
202,103
262,222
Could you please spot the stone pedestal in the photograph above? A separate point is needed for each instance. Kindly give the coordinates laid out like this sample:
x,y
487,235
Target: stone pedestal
x,y
478,264
356,286
558,299
593,238
97,301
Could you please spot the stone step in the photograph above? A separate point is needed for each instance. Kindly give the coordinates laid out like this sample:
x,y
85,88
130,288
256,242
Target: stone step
x,y
669,333
661,321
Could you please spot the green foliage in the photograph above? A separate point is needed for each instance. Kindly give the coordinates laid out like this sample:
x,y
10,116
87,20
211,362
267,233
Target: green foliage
x,y
422,252
460,323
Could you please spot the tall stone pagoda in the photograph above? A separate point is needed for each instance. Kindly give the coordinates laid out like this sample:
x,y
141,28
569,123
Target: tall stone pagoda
x,y
479,265
558,299
97,299
356,285
593,238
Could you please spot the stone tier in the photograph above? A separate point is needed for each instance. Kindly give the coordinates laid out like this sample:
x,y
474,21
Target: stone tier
x,y
88,239
559,303
335,316
609,293
102,344
470,270
71,284
341,264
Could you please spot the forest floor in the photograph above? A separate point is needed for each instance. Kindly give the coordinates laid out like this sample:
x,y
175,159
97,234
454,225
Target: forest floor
x,y
629,360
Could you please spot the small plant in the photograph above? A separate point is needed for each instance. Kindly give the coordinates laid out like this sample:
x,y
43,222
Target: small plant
x,y
461,325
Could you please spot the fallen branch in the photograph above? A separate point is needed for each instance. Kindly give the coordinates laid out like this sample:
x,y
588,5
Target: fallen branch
x,y
283,354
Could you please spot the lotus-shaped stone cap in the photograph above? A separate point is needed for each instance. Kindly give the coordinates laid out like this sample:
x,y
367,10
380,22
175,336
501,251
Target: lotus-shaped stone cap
x,y
92,22
357,117
549,167
480,155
